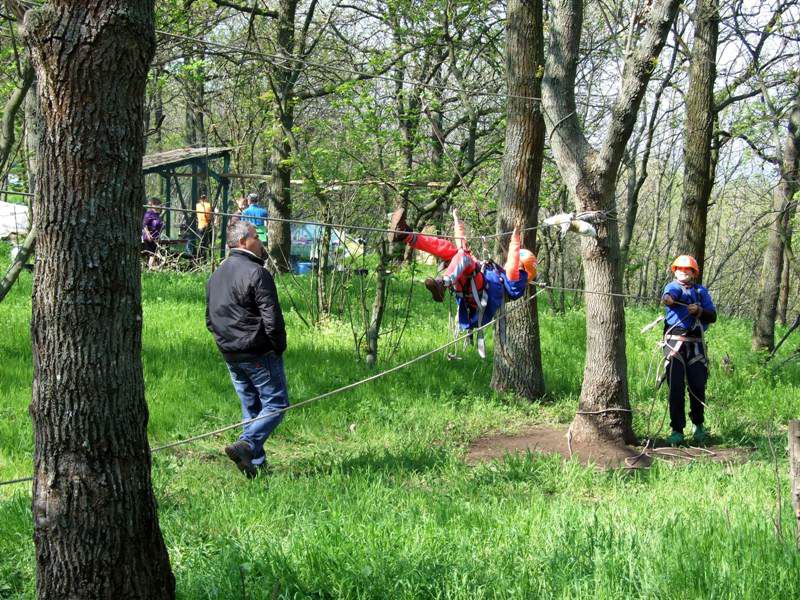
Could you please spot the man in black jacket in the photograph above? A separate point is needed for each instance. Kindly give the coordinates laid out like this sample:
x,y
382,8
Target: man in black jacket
x,y
243,313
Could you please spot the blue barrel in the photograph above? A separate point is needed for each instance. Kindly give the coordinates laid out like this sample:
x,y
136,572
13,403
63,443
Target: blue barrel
x,y
303,268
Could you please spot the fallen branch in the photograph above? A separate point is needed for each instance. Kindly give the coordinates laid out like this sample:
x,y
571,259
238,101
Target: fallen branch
x,y
25,252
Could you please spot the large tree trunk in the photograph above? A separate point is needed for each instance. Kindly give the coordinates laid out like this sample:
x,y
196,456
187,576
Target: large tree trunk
x,y
764,324
96,529
590,177
518,362
604,405
698,178
283,78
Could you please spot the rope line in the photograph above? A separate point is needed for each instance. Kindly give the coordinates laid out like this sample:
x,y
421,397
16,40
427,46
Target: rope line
x,y
598,293
328,394
339,225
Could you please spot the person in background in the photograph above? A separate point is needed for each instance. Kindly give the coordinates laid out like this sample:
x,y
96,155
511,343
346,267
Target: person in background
x,y
152,226
244,315
689,312
255,213
205,224
241,205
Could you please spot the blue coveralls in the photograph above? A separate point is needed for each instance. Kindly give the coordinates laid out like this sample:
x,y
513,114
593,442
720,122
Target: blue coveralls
x,y
684,350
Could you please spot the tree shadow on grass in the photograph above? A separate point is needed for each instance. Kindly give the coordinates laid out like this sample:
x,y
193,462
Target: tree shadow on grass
x,y
381,461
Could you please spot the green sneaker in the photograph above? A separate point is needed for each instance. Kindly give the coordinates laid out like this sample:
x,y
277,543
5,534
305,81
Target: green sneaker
x,y
700,435
675,439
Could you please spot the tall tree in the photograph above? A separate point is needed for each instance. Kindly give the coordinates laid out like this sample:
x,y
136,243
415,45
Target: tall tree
x,y
96,529
282,79
590,176
518,361
779,231
698,174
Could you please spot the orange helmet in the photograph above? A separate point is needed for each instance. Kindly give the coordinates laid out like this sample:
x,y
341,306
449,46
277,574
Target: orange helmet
x,y
527,260
684,261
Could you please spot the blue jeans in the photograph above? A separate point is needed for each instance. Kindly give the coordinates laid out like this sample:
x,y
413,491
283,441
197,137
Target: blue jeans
x,y
261,386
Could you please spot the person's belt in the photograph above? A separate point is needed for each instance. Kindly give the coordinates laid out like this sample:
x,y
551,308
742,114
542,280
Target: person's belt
x,y
247,356
683,338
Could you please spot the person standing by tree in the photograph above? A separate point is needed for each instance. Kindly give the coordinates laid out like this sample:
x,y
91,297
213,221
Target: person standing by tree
x,y
689,312
205,223
254,213
152,226
243,313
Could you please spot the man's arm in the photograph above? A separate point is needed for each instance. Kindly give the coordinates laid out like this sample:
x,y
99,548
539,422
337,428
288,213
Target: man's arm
x,y
266,297
708,312
670,295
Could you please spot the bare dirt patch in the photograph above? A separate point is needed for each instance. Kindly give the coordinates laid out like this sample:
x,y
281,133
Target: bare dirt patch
x,y
552,439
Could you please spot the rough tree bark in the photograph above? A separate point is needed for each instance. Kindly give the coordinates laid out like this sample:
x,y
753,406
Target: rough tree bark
x,y
698,176
283,79
590,176
782,205
96,529
518,362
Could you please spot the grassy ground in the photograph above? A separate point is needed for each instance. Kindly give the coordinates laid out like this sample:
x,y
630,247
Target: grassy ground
x,y
370,497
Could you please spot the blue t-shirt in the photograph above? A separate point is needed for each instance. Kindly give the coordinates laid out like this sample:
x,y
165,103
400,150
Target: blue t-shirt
x,y
496,285
692,294
255,214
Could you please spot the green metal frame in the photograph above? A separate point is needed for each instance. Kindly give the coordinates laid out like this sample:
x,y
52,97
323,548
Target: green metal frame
x,y
200,168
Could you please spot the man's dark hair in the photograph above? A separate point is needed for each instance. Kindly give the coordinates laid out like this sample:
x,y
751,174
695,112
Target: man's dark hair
x,y
155,200
236,231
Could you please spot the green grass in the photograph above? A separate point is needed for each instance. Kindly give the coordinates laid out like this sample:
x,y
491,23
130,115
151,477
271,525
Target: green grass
x,y
371,498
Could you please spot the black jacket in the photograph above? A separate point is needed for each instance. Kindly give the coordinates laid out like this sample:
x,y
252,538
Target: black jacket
x,y
242,308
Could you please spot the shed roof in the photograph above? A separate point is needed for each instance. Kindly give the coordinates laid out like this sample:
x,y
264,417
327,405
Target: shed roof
x,y
180,157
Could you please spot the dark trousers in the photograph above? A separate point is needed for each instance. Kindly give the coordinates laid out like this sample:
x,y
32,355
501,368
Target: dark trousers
x,y
687,370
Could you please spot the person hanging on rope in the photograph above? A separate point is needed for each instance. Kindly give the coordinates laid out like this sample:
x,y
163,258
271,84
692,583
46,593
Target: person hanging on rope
x,y
689,312
480,287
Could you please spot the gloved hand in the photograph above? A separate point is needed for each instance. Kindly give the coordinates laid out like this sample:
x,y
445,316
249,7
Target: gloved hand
x,y
668,300
695,310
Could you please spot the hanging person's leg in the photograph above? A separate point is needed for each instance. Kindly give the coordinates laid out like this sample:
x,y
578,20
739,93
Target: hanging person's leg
x,y
439,247
400,232
511,267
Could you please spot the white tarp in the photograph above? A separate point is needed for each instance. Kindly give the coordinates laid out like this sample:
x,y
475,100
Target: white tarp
x,y
13,219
